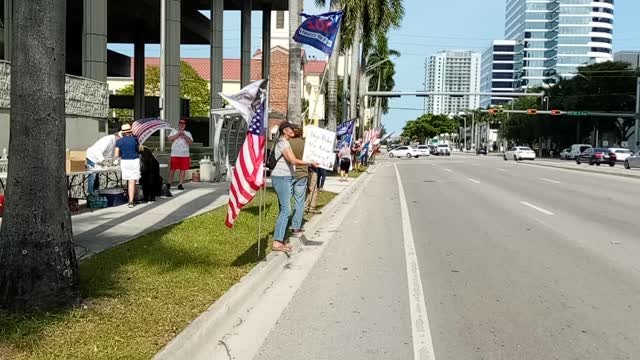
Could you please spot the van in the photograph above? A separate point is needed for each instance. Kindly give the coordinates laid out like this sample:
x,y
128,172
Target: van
x,y
577,149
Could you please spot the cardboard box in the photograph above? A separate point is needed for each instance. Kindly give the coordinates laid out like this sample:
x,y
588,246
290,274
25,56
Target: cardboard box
x,y
75,161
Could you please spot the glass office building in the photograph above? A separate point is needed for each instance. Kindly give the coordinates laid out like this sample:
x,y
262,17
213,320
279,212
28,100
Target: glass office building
x,y
497,74
555,37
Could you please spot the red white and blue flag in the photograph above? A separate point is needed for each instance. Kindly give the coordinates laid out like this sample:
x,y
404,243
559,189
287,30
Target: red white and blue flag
x,y
143,128
319,31
248,174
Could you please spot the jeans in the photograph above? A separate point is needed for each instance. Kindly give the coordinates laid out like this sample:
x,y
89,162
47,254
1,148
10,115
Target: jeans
x,y
299,194
282,185
322,176
93,180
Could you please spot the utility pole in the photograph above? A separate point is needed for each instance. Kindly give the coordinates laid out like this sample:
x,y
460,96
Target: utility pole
x,y
637,144
464,133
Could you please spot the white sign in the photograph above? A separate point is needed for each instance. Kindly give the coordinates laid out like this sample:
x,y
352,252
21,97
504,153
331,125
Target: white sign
x,y
318,147
605,143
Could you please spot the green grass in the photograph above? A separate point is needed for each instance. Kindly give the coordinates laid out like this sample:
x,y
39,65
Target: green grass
x,y
139,295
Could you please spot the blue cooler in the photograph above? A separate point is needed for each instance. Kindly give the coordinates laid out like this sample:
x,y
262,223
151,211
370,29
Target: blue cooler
x,y
115,197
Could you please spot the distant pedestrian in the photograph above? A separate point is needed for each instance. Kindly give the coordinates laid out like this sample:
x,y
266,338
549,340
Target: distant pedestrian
x,y
355,152
322,177
345,161
299,183
127,149
97,156
180,157
282,178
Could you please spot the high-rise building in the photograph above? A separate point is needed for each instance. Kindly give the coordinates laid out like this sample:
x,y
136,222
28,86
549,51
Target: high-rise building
x,y
452,71
497,72
629,56
555,37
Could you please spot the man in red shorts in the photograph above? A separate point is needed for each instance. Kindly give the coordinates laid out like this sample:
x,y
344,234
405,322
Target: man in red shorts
x,y
180,159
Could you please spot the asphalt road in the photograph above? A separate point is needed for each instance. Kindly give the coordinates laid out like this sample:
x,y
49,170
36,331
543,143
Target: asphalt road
x,y
515,262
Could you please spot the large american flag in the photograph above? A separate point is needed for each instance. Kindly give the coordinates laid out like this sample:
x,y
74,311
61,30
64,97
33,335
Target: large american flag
x,y
248,174
371,135
143,128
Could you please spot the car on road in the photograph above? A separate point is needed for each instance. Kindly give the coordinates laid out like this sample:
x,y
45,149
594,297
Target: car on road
x,y
565,153
443,149
424,150
404,151
633,161
621,153
481,151
518,153
577,149
597,156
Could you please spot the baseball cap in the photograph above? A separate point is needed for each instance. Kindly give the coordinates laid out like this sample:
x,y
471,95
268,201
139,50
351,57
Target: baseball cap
x,y
285,125
183,121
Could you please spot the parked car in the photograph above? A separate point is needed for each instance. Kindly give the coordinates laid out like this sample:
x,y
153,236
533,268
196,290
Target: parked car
x,y
621,153
518,153
481,151
577,150
443,149
565,154
633,161
597,156
424,150
404,151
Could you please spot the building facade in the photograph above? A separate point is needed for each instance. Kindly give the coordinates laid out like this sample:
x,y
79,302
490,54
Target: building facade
x,y
497,72
555,37
629,56
452,71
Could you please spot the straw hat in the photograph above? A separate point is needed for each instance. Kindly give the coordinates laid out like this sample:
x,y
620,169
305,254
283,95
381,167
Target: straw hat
x,y
125,129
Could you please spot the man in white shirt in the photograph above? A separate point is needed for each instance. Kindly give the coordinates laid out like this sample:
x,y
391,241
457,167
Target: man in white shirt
x,y
180,159
96,155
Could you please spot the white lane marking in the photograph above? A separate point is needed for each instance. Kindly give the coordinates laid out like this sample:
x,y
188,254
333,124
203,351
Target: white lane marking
x,y
501,169
475,164
473,181
546,212
421,334
448,170
549,180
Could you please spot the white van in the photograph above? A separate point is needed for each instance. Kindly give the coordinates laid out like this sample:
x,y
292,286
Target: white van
x,y
577,149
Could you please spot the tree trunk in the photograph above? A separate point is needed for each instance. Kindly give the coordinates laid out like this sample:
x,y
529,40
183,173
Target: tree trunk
x,y
39,266
332,79
362,88
294,106
353,89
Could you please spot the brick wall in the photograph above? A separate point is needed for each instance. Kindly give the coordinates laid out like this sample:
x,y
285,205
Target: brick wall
x,y
279,81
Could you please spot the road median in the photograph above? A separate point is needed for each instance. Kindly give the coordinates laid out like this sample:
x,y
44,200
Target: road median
x,y
633,174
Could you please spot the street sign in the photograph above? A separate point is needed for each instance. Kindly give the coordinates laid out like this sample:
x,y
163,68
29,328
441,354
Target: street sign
x,y
624,144
578,113
605,143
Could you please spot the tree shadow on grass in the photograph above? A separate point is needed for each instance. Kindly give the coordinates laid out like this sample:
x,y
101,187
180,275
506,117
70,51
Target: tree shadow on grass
x,y
251,255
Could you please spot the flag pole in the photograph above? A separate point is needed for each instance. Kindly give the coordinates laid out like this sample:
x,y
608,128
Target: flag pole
x,y
262,204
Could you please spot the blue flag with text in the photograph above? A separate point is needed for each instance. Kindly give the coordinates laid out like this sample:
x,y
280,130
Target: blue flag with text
x,y
319,31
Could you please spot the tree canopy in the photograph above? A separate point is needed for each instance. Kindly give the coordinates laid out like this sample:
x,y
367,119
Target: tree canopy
x,y
428,126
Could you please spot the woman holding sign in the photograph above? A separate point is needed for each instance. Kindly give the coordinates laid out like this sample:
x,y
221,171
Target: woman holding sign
x,y
282,178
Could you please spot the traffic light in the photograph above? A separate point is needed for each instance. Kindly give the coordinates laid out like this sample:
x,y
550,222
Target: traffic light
x,y
532,111
494,111
555,112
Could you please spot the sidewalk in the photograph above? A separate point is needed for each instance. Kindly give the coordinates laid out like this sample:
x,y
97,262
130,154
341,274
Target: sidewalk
x,y
618,170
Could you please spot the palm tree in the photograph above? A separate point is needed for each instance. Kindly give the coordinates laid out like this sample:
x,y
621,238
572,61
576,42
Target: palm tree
x,y
332,77
39,266
381,77
294,106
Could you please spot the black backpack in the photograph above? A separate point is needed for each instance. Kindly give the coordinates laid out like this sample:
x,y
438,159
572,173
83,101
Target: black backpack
x,y
271,160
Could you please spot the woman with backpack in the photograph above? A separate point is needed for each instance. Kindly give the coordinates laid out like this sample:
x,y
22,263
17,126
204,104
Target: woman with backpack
x,y
282,162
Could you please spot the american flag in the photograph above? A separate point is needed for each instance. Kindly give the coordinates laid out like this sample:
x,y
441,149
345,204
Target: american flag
x,y
248,174
371,135
143,128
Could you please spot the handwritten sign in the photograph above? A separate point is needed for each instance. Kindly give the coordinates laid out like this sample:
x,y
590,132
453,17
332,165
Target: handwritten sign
x,y
318,147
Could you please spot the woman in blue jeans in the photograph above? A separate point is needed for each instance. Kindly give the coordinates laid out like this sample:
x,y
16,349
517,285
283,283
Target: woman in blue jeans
x,y
282,178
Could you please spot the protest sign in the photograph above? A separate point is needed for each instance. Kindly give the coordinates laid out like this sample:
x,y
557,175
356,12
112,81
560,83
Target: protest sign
x,y
318,147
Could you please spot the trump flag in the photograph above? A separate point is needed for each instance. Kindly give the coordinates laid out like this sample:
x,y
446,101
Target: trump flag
x,y
319,31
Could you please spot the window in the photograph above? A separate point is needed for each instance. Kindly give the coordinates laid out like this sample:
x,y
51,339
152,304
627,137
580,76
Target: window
x,y
603,30
279,19
503,66
600,50
500,57
602,40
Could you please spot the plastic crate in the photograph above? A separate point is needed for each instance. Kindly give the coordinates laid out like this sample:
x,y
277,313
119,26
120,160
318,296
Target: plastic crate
x,y
115,197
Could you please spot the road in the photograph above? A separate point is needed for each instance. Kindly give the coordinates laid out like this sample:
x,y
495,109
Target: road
x,y
515,262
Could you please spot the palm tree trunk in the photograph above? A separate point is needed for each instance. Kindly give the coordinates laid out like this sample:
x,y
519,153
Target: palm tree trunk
x,y
362,88
294,106
39,266
378,102
332,79
355,63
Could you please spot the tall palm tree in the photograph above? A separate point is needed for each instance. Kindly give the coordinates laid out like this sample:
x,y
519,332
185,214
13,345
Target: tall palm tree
x,y
294,105
39,267
332,78
381,77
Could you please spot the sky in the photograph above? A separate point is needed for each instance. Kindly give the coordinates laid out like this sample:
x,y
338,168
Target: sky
x,y
429,26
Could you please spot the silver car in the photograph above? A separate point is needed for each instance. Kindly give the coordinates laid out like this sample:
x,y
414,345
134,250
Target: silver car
x,y
633,161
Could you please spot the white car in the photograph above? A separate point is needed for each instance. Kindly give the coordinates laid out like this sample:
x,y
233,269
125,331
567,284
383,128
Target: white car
x,y
565,154
424,150
519,153
443,149
404,151
622,154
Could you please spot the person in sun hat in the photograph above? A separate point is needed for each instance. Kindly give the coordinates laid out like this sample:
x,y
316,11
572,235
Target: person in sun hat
x,y
127,149
97,155
180,158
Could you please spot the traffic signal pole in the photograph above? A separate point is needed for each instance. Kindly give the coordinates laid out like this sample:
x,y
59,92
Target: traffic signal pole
x,y
637,113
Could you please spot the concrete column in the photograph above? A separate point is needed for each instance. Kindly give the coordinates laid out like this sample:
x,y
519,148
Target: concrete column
x,y
8,28
266,41
94,40
216,63
138,80
245,43
170,61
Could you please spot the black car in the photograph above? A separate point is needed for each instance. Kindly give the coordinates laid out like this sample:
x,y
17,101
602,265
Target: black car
x,y
597,156
481,151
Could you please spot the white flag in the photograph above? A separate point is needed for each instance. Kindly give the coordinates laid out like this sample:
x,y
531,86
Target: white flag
x,y
246,101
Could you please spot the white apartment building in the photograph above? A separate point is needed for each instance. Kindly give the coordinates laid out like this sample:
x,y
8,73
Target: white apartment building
x,y
452,71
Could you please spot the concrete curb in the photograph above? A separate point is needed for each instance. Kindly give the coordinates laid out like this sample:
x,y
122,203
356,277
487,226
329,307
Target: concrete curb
x,y
209,328
630,175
